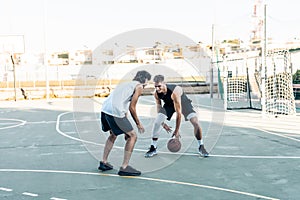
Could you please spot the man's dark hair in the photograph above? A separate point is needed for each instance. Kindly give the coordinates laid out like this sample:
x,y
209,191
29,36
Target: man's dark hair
x,y
158,78
142,76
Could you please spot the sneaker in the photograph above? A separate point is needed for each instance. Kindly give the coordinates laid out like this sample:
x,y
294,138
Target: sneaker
x,y
105,166
152,152
202,151
128,171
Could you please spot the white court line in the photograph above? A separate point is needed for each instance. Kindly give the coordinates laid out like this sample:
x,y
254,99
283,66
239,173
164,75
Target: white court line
x,y
144,178
6,189
70,137
293,135
253,127
55,198
30,194
233,156
21,122
256,157
269,132
164,152
65,121
7,123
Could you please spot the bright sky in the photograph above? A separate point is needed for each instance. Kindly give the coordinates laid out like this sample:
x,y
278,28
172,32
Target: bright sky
x,y
69,24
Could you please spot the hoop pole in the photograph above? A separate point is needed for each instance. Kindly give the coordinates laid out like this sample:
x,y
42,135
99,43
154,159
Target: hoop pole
x,y
14,70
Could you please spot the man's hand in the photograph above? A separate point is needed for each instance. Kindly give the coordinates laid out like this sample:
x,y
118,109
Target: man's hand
x,y
167,127
140,128
176,134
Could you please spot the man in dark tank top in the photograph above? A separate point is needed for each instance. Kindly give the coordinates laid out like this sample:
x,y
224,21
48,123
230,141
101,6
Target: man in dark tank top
x,y
174,100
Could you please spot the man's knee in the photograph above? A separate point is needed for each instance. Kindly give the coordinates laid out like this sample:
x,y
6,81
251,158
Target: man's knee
x,y
112,136
195,122
160,119
157,126
131,135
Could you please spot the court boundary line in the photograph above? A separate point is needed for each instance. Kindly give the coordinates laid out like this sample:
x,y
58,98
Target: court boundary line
x,y
161,152
22,122
164,152
146,179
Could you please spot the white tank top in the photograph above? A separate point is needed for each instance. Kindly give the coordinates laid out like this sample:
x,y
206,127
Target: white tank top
x,y
117,103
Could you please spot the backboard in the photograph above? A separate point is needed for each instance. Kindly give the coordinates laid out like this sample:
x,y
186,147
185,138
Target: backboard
x,y
12,44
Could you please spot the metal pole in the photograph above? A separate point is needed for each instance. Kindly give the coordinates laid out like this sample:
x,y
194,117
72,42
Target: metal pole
x,y
45,51
14,70
264,65
211,88
248,83
225,79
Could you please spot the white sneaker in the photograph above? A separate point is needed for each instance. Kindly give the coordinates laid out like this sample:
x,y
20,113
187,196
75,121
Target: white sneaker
x,y
152,152
202,151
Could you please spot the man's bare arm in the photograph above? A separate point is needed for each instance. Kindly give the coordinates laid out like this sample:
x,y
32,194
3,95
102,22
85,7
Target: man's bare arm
x,y
176,97
132,108
158,102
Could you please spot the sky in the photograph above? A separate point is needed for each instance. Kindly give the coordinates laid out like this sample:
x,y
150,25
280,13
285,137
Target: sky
x,y
77,24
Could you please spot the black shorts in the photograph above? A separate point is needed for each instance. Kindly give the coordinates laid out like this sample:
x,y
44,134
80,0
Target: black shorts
x,y
117,125
169,110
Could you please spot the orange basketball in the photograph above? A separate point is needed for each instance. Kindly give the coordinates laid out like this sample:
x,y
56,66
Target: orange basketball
x,y
174,145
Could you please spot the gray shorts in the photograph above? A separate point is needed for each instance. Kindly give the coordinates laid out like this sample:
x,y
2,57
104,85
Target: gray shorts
x,y
117,125
187,109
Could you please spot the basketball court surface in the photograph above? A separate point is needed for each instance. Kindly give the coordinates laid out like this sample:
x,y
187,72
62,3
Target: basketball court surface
x,y
51,150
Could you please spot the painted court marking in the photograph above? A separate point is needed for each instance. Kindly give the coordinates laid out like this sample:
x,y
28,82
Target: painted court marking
x,y
146,179
54,198
30,194
20,123
162,152
6,189
263,130
230,111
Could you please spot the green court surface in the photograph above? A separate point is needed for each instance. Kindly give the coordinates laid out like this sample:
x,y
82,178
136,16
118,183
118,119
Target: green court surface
x,y
51,150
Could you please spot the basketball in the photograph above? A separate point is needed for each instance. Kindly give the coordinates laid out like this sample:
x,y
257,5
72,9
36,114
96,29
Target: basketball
x,y
174,145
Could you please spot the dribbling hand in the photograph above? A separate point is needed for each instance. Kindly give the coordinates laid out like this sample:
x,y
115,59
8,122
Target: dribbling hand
x,y
176,135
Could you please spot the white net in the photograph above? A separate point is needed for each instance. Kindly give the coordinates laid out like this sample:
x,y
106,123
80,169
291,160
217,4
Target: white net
x,y
241,89
237,89
279,89
242,84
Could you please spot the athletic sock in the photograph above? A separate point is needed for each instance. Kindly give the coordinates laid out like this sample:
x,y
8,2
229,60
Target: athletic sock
x,y
200,142
154,143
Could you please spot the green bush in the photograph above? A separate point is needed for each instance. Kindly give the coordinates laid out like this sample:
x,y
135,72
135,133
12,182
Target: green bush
x,y
296,77
296,80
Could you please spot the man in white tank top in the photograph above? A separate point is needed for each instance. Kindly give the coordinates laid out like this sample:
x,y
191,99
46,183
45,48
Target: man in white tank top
x,y
114,119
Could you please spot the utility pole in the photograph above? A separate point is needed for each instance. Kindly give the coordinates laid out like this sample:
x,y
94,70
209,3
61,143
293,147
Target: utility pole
x,y
264,65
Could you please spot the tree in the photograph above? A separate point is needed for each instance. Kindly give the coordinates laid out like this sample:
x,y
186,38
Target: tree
x,y
296,80
296,77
